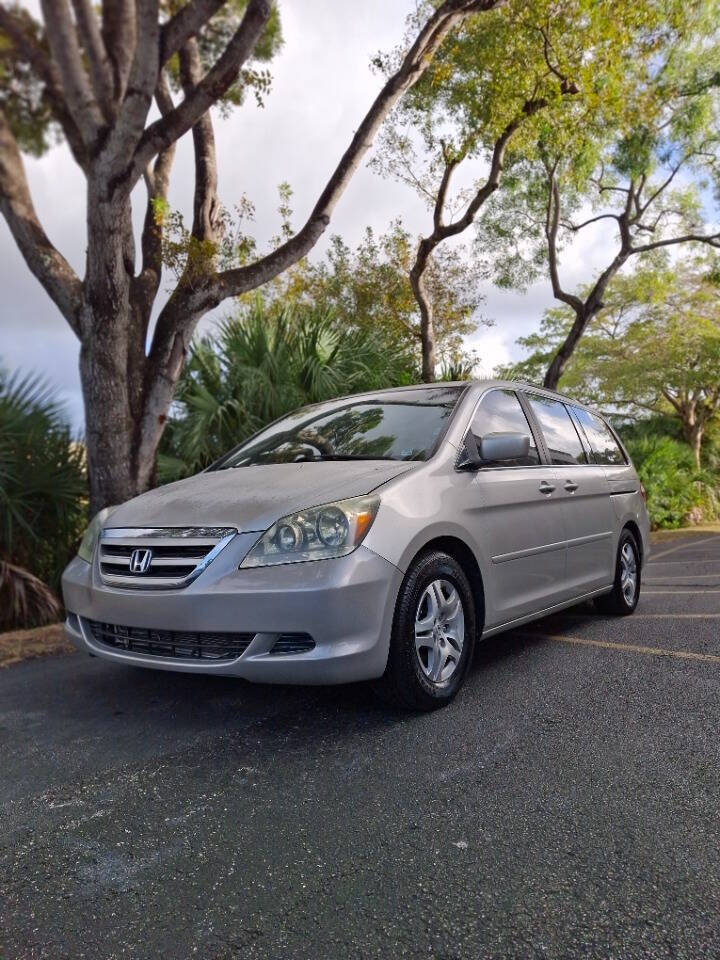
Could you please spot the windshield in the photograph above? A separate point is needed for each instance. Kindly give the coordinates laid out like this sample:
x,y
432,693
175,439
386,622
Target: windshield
x,y
406,425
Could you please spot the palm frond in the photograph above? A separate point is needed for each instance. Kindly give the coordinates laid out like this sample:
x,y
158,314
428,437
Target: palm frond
x,y
25,600
260,364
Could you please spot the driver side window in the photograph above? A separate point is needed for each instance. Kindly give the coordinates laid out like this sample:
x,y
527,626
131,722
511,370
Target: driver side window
x,y
500,412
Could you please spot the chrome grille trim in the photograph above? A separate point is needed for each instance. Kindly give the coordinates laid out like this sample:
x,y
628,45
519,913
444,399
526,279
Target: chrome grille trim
x,y
179,555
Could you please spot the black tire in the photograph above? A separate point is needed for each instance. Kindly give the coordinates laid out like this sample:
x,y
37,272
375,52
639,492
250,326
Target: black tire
x,y
617,603
405,682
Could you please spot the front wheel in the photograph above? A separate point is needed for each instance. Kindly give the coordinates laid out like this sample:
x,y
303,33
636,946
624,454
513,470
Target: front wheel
x,y
433,635
624,596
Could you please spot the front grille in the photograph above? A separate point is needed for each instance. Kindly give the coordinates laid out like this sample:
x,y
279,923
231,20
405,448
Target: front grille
x,y
289,643
174,644
151,558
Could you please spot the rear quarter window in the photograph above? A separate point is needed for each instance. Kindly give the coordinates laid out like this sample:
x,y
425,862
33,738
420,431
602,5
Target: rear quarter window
x,y
603,444
561,437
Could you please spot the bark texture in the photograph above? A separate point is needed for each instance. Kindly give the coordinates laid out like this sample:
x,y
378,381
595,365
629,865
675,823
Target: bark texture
x,y
100,71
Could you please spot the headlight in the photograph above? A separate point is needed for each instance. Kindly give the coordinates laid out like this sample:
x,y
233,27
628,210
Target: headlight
x,y
90,539
332,530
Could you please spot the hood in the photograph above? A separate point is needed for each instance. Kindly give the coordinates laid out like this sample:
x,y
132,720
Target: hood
x,y
253,498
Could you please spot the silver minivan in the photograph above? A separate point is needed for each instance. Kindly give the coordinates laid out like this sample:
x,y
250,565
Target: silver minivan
x,y
374,537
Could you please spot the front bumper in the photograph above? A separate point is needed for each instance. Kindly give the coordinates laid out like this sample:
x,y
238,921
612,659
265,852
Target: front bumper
x,y
346,605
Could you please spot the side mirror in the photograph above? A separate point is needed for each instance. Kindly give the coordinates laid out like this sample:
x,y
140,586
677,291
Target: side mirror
x,y
504,446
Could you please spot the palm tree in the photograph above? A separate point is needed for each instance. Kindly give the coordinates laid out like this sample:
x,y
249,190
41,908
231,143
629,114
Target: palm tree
x,y
260,365
43,500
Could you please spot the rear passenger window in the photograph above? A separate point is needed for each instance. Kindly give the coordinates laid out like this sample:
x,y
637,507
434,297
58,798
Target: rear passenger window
x,y
500,412
602,442
561,437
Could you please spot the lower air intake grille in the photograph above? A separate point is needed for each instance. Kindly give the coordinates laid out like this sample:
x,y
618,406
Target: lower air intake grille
x,y
289,643
173,644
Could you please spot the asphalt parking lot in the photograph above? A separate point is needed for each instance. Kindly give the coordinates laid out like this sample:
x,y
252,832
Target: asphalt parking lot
x,y
566,805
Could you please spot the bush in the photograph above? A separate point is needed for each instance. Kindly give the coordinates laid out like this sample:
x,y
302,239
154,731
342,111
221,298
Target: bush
x,y
678,493
43,500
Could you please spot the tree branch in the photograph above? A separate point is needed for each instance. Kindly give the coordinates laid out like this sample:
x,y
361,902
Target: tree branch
x,y
45,70
566,85
142,82
185,24
100,69
497,165
48,266
672,401
439,207
147,283
66,53
206,206
118,29
207,92
241,279
169,344
442,231
586,223
552,224
712,240
661,188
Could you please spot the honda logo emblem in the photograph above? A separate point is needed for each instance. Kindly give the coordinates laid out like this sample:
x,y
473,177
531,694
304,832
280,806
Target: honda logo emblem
x,y
140,561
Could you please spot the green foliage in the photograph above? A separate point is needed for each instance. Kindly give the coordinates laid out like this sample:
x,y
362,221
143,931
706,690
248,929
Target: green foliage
x,y
678,493
584,66
649,120
368,288
43,498
213,40
452,372
186,256
365,288
261,364
22,93
654,347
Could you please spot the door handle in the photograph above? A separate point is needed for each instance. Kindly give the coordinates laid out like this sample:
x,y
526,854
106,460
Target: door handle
x,y
546,488
570,486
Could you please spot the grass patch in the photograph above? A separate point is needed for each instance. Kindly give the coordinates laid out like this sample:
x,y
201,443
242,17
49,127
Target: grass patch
x,y
658,536
21,645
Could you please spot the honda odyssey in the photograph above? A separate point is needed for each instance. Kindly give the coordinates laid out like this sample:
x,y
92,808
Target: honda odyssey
x,y
374,537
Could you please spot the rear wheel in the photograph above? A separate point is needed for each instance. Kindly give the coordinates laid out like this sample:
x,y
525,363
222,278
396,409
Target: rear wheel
x,y
624,596
433,634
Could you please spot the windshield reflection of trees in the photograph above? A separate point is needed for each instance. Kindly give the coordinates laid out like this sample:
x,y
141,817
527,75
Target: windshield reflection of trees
x,y
343,434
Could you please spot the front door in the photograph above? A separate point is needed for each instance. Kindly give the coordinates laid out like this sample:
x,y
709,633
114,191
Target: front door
x,y
514,512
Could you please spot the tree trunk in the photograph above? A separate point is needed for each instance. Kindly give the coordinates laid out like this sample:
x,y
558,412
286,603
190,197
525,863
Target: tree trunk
x,y
124,420
693,432
427,323
109,427
562,357
119,382
106,328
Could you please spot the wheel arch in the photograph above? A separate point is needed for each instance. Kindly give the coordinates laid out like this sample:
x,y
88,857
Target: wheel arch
x,y
463,554
635,531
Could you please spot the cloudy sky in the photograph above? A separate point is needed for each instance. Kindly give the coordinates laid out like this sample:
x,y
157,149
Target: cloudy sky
x,y
321,89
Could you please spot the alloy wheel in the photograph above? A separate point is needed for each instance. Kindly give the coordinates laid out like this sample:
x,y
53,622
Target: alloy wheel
x,y
628,573
439,630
